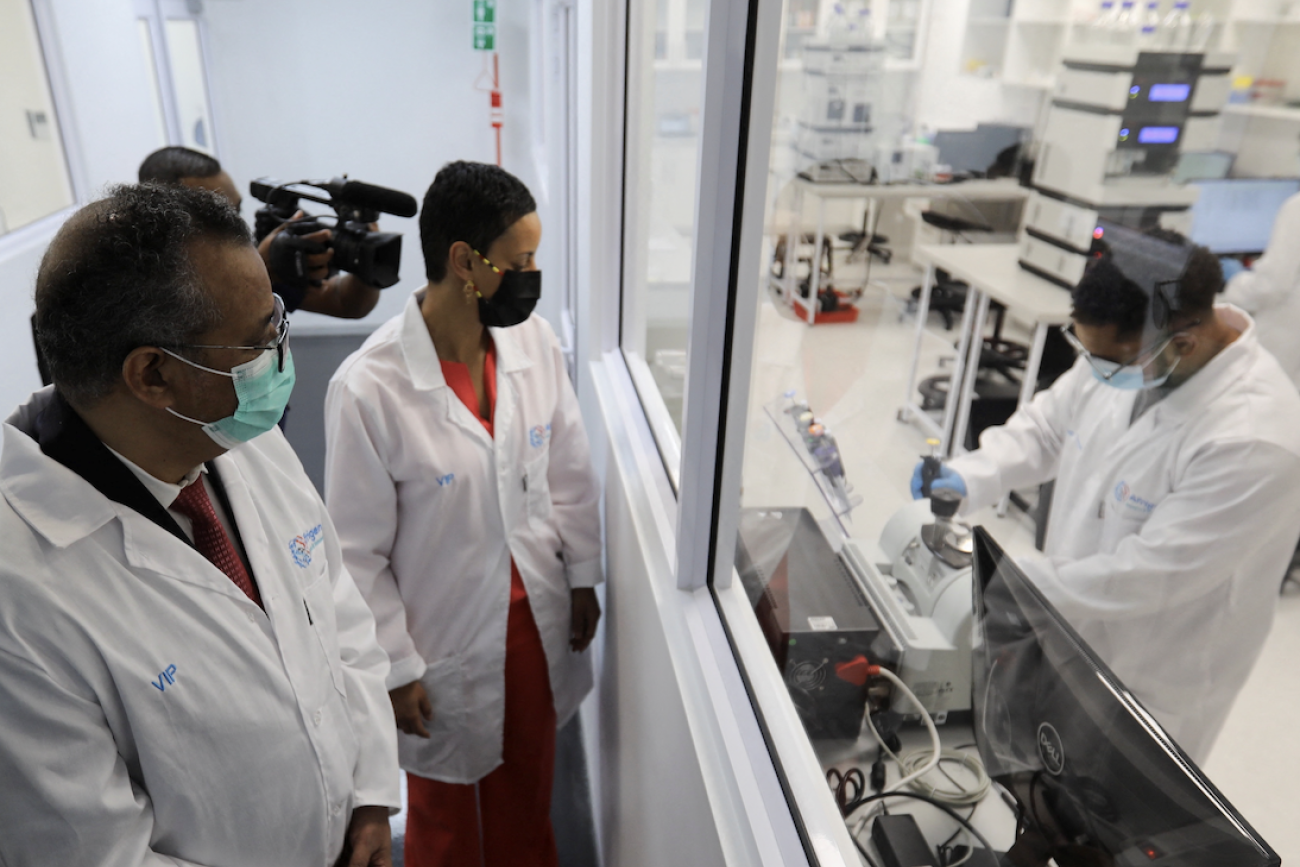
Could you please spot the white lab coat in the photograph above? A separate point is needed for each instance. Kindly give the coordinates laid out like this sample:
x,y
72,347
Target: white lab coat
x,y
1270,290
150,713
1168,540
430,510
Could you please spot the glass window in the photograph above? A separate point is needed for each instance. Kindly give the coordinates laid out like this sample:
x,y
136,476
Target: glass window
x,y
662,153
34,179
837,568
894,317
185,56
151,63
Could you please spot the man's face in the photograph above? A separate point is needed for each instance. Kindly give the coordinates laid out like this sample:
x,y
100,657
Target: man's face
x,y
1105,342
235,278
219,183
1158,360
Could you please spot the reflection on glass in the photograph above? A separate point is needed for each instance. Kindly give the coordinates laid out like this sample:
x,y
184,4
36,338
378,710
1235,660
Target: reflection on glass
x,y
186,57
1096,779
664,93
151,65
34,179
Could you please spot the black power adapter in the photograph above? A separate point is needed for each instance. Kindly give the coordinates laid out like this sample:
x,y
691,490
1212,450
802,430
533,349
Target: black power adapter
x,y
899,841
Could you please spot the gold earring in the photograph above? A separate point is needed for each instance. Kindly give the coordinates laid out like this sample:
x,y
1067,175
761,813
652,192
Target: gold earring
x,y
469,292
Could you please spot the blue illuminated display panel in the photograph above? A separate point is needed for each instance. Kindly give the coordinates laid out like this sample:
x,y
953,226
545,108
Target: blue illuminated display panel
x,y
1169,92
1158,135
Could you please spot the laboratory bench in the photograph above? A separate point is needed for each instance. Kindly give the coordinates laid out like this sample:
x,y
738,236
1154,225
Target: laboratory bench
x,y
790,223
993,273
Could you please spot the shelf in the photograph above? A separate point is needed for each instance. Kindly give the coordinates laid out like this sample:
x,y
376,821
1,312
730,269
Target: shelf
x,y
989,21
1270,112
1266,22
1035,84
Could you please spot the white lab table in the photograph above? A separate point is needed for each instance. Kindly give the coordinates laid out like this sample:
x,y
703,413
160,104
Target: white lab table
x,y
993,273
787,285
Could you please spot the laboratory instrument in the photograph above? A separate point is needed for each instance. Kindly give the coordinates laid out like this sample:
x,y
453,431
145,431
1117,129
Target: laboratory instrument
x,y
1117,124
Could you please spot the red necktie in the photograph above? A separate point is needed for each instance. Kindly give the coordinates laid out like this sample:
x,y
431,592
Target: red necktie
x,y
211,539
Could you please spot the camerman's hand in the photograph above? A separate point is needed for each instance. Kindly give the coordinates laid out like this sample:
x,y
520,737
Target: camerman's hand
x,y
317,263
412,707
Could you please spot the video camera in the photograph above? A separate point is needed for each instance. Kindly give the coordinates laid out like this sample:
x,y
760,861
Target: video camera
x,y
373,257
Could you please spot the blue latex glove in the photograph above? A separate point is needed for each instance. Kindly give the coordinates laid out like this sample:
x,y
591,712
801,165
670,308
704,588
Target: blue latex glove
x,y
1231,267
948,478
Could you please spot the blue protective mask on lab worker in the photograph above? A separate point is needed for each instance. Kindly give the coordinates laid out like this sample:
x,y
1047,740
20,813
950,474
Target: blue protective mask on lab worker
x,y
1126,377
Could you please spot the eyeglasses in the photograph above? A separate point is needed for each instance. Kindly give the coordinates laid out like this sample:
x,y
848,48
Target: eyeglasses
x,y
1108,369
281,344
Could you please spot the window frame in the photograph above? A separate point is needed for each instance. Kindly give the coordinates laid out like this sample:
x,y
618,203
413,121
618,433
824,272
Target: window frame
x,y
55,77
156,14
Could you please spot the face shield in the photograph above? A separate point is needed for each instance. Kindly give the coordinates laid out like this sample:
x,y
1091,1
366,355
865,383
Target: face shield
x,y
1142,274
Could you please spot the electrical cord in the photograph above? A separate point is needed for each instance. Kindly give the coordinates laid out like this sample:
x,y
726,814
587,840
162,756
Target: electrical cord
x,y
936,750
918,763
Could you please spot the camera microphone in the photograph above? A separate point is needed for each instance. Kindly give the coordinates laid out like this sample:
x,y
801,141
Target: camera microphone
x,y
372,196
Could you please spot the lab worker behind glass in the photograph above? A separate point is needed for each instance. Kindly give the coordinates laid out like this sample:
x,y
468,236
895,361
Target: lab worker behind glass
x,y
458,472
1174,441
1270,290
188,675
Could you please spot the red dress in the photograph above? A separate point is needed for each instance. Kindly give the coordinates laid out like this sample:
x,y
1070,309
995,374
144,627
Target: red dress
x,y
503,820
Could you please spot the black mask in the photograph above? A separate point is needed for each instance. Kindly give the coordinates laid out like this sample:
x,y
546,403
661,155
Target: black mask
x,y
514,300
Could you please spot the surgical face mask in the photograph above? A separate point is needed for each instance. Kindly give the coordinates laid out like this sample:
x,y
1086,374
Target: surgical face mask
x,y
1127,377
262,385
514,300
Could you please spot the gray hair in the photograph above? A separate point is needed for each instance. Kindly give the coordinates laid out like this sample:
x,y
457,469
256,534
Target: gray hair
x,y
118,276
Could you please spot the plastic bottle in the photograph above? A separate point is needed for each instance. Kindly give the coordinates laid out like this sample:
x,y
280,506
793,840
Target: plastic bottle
x,y
862,27
1176,28
1098,30
1149,34
1125,31
1202,33
837,27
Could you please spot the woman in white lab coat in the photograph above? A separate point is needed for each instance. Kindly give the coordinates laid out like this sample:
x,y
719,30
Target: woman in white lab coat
x,y
1270,290
459,475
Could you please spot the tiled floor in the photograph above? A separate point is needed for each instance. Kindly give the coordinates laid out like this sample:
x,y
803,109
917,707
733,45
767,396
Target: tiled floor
x,y
852,376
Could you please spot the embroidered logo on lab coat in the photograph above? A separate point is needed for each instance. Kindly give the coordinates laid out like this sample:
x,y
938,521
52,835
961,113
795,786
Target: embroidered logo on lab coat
x,y
302,546
1131,501
539,436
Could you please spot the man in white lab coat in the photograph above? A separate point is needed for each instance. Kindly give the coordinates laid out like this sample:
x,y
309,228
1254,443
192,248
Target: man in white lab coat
x,y
1270,290
189,676
1174,441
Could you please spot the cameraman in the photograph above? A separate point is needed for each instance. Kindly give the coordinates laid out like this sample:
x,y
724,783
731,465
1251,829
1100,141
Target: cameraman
x,y
342,295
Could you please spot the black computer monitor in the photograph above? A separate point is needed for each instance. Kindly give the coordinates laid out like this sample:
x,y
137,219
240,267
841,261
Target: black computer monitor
x,y
1096,779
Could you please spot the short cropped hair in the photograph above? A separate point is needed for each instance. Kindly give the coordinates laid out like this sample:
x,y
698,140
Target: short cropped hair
x,y
118,276
1106,296
168,165
471,202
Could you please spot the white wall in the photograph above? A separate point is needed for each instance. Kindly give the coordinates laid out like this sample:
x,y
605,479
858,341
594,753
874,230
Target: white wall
x,y
382,90
108,127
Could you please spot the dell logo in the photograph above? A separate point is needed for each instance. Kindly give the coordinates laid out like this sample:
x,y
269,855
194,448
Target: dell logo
x,y
1050,749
